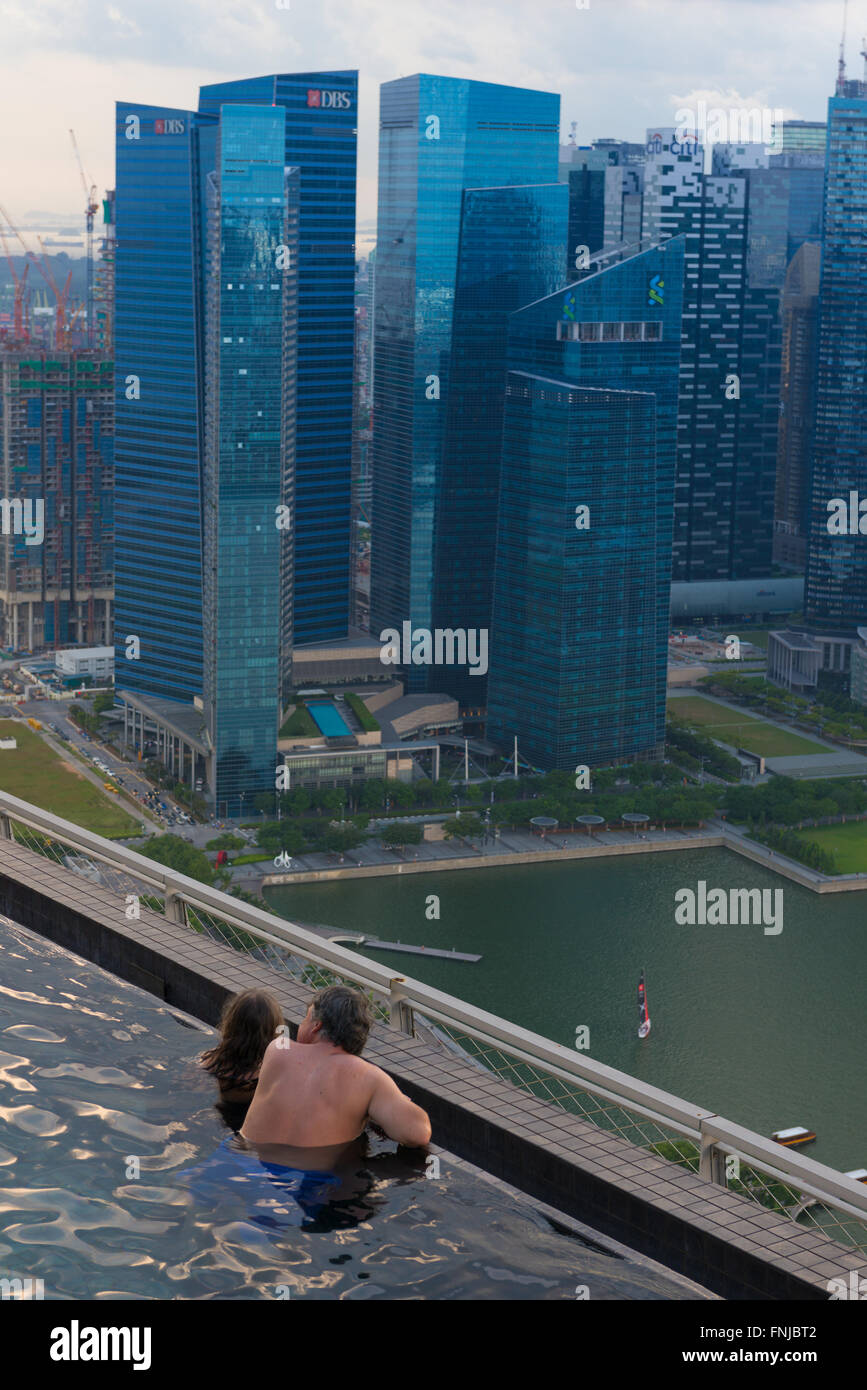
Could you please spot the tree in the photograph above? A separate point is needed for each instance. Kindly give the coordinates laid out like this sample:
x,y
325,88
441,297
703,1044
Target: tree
x,y
299,801
463,828
179,854
372,796
333,801
226,841
341,838
400,794
401,833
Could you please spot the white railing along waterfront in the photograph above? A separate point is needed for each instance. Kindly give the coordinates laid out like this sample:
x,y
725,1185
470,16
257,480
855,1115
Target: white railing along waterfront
x,y
722,1152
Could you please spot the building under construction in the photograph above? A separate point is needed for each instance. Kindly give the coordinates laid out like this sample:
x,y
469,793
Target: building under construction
x,y
57,446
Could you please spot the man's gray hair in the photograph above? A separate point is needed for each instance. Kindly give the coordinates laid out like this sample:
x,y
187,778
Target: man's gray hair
x,y
345,1016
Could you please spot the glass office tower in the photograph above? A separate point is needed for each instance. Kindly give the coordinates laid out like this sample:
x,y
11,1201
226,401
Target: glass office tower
x,y
510,254
438,137
742,224
836,598
579,639
252,244
321,112
205,310
158,402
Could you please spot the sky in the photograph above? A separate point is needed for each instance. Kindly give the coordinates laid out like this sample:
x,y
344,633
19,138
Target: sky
x,y
619,66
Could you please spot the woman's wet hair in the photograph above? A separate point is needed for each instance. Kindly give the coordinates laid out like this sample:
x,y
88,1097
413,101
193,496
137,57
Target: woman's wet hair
x,y
249,1022
345,1016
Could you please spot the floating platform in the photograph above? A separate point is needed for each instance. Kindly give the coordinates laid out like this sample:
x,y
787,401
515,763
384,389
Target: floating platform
x,y
420,950
796,1135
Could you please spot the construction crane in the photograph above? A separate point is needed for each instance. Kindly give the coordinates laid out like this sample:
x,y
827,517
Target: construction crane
x,y
841,61
20,327
61,321
42,265
90,210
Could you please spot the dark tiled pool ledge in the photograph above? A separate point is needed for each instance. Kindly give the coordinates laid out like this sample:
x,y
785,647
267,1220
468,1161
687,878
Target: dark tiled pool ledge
x,y
719,1240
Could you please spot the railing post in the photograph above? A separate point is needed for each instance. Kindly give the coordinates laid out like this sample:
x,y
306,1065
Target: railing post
x,y
400,1010
711,1164
5,827
175,909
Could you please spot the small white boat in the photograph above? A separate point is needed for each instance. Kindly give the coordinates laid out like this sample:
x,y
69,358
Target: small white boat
x,y
796,1135
859,1174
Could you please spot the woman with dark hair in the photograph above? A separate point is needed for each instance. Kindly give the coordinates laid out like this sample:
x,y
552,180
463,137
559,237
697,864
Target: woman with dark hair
x,y
250,1021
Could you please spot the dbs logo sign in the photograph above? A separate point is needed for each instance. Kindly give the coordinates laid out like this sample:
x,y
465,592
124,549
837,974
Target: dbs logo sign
x,y
335,101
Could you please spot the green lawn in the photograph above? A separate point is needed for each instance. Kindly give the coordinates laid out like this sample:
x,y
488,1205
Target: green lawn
x,y
847,842
741,730
299,724
36,773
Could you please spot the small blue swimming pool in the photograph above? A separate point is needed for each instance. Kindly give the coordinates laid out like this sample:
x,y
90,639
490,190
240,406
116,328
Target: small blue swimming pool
x,y
330,721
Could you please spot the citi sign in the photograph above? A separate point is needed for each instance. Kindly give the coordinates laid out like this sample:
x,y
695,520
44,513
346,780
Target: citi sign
x,y
168,126
340,101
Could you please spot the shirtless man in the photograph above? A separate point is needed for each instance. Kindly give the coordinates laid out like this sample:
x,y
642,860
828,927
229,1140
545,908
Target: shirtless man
x,y
318,1092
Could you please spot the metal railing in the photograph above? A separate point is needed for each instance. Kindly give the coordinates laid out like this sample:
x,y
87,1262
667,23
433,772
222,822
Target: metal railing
x,y
724,1153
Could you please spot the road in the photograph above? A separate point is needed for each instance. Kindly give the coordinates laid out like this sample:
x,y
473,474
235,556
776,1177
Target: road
x,y
62,733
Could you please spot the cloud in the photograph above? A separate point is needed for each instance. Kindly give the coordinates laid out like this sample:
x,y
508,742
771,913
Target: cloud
x,y
620,65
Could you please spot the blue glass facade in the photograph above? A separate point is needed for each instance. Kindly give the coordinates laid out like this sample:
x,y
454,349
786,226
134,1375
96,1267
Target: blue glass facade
x,y
510,253
321,113
158,401
591,421
438,137
249,352
206,313
837,564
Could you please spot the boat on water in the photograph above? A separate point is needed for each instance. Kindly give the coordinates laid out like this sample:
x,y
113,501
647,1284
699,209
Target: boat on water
x,y
859,1174
796,1135
643,1015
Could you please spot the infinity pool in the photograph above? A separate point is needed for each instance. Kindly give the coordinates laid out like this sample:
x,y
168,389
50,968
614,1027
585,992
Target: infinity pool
x,y
119,1179
330,721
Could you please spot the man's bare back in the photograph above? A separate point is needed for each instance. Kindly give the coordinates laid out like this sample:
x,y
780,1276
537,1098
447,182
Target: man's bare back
x,y
312,1093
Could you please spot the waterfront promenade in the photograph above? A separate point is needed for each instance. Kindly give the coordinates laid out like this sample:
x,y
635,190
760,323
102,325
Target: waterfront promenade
x,y
517,847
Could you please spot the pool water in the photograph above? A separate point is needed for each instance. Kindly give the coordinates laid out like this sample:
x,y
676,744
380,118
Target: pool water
x,y
120,1180
330,721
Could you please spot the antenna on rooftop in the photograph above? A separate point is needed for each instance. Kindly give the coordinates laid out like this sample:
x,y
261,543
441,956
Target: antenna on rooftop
x,y
573,132
841,62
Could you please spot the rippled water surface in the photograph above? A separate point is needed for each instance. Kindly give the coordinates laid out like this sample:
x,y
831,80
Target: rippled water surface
x,y
99,1082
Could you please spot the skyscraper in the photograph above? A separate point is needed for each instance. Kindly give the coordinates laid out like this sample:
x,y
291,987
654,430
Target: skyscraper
x,y
836,595
510,254
250,321
205,292
158,401
742,224
800,318
321,110
579,636
438,137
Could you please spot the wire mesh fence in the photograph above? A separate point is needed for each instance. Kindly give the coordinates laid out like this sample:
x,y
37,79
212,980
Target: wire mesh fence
x,y
781,1195
89,867
604,1112
772,1190
278,956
